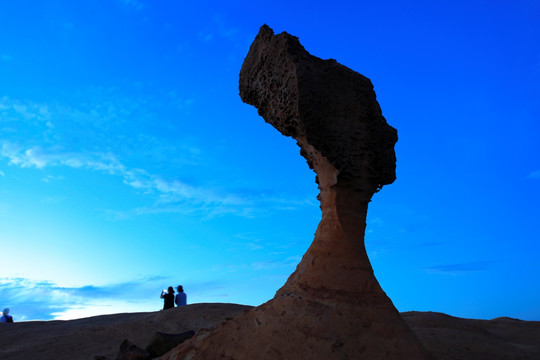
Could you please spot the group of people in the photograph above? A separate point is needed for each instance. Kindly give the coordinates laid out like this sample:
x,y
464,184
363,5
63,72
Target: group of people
x,y
6,318
169,299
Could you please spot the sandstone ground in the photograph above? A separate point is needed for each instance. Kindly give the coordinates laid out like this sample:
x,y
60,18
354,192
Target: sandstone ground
x,y
446,337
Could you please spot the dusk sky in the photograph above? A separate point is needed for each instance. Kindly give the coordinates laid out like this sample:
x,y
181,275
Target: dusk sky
x,y
128,162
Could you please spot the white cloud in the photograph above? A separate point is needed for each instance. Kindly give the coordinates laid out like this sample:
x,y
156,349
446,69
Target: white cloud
x,y
39,157
30,299
45,300
168,191
96,138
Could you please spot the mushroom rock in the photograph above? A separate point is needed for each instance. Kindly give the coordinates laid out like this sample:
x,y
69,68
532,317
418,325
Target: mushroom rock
x,y
331,307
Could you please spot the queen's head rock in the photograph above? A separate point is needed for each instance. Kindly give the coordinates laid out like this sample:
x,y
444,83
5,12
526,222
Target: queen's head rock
x,y
331,307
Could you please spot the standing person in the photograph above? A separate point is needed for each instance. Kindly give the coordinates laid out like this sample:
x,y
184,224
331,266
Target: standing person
x,y
180,298
168,298
6,317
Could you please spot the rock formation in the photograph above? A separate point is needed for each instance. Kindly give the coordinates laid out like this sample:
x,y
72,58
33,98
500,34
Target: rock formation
x,y
160,343
331,307
130,351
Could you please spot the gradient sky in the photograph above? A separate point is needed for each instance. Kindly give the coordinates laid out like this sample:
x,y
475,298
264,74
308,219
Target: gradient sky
x,y
128,162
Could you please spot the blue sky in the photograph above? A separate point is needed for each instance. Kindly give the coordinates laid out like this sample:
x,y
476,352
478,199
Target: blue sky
x,y
128,162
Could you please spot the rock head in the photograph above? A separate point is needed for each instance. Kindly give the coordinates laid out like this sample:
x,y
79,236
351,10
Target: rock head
x,y
331,307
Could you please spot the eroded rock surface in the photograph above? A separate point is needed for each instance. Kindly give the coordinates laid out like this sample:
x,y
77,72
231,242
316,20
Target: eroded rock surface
x,y
331,307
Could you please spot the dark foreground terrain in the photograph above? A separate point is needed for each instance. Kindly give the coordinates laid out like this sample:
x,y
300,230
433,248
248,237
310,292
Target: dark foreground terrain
x,y
445,336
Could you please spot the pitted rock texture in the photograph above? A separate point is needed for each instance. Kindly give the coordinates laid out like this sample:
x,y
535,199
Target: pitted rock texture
x,y
331,106
331,307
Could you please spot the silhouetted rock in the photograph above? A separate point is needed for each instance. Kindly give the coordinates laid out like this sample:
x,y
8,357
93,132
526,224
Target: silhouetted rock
x,y
331,307
130,351
161,343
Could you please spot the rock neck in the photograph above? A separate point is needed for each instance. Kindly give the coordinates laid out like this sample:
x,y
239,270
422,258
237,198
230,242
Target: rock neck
x,y
336,265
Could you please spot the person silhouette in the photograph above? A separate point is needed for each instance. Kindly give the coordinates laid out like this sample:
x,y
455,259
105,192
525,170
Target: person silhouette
x,y
168,298
6,317
181,298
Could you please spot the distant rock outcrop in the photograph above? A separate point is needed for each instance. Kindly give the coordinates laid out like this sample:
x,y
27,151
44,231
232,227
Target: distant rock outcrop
x,y
130,351
160,343
331,307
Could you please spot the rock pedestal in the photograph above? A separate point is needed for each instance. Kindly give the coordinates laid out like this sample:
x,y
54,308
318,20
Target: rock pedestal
x,y
331,307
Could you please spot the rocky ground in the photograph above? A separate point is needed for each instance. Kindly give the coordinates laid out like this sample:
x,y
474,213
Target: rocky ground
x,y
446,337
452,338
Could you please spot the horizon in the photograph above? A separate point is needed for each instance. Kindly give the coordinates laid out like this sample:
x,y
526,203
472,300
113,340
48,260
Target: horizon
x,y
128,162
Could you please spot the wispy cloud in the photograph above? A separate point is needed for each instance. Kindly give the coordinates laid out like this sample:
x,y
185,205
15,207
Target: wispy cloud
x,y
171,195
110,119
137,4
220,29
45,300
98,137
252,241
223,27
206,37
169,191
287,264
534,175
40,136
50,178
462,268
14,110
53,200
39,157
